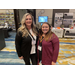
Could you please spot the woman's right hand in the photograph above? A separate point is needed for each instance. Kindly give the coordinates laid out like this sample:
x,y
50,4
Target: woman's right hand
x,y
21,57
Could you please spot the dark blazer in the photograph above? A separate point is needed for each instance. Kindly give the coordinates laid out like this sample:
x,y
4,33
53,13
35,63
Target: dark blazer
x,y
23,45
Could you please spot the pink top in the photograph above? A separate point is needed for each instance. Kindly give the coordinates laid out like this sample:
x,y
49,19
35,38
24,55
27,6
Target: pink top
x,y
50,50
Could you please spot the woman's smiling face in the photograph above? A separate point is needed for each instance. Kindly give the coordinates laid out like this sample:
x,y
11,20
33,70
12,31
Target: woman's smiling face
x,y
45,28
28,20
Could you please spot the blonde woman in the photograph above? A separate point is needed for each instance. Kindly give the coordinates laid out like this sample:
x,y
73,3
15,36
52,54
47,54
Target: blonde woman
x,y
26,40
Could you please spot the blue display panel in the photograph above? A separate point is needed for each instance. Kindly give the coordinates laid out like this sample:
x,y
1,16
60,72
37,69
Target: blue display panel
x,y
43,19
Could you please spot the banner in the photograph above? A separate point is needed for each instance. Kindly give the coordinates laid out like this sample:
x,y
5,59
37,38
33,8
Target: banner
x,y
68,16
58,19
67,23
67,20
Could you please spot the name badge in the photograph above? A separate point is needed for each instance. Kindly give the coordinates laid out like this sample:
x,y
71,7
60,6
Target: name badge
x,y
33,42
39,48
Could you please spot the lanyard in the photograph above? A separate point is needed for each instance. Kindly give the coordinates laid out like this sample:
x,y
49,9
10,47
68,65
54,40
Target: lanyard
x,y
41,39
31,35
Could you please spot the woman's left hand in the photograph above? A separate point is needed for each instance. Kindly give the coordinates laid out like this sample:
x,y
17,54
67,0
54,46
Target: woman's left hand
x,y
53,63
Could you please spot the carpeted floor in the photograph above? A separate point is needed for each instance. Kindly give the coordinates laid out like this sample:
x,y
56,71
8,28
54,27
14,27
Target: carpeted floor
x,y
66,52
8,55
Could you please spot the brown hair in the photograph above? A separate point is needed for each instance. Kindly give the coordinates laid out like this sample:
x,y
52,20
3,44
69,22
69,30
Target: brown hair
x,y
48,34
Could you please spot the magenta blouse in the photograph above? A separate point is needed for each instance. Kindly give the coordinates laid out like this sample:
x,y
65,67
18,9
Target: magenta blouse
x,y
50,50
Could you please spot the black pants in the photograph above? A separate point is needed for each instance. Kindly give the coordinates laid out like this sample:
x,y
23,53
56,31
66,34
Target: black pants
x,y
33,58
40,55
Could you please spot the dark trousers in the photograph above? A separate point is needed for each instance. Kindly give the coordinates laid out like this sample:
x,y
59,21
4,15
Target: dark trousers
x,y
40,55
33,58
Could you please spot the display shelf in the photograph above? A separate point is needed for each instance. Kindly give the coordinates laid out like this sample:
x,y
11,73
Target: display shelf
x,y
7,17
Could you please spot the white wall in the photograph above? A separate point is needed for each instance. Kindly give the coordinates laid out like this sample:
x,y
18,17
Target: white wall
x,y
72,11
44,12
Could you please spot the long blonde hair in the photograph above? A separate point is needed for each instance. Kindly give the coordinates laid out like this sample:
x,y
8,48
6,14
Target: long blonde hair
x,y
23,28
